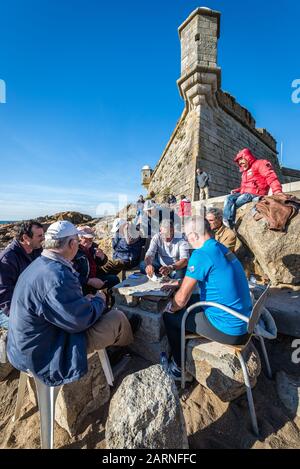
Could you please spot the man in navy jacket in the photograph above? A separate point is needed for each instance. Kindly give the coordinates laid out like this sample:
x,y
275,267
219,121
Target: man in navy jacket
x,y
25,248
52,325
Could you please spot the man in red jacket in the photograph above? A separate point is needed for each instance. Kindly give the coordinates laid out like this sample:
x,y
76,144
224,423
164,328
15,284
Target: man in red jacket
x,y
258,177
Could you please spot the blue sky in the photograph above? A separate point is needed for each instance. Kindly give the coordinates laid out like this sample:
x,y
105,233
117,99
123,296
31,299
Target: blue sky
x,y
92,94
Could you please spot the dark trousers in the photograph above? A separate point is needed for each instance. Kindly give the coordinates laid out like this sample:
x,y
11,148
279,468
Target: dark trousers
x,y
114,267
204,328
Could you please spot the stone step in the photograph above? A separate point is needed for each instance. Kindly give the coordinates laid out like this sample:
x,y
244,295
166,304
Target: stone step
x,y
284,305
216,367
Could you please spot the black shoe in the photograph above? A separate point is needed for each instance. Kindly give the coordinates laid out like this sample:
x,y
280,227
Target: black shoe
x,y
135,322
116,354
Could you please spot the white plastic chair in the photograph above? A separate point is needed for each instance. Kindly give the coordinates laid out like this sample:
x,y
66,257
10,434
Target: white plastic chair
x,y
251,323
105,363
47,395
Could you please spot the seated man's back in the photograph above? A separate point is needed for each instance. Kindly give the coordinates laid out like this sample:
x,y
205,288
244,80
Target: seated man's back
x,y
48,318
222,280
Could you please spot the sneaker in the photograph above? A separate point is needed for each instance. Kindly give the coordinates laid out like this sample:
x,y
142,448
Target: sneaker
x,y
175,372
226,223
135,322
229,223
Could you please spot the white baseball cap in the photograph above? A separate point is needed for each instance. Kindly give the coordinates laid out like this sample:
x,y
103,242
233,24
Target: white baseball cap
x,y
118,222
61,229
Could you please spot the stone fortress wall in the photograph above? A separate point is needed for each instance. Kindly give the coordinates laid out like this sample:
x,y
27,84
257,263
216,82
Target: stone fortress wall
x,y
213,126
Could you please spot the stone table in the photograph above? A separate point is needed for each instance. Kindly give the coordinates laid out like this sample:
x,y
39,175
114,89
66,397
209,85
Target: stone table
x,y
140,295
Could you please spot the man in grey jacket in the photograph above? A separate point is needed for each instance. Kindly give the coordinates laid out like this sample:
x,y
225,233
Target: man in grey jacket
x,y
203,183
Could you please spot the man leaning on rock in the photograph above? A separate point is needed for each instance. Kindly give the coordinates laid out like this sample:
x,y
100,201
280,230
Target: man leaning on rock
x,y
52,325
223,234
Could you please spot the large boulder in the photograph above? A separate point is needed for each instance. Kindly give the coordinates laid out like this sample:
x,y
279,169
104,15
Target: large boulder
x,y
216,367
5,370
77,400
145,412
278,253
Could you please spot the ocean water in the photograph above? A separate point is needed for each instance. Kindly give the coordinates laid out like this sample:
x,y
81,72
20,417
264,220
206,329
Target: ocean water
x,y
4,222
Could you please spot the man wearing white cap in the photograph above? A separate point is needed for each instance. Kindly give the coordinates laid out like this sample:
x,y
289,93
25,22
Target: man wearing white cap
x,y
52,325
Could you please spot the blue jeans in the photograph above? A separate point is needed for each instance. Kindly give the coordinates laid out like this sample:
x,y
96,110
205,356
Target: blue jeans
x,y
234,201
3,320
176,274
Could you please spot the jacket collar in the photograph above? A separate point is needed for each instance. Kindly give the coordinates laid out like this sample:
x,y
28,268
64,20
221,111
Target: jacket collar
x,y
220,230
17,246
54,256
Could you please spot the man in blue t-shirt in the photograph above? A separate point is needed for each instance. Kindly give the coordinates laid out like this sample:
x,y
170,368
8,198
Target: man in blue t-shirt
x,y
221,279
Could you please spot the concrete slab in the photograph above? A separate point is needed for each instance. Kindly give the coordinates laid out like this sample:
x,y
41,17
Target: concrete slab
x,y
284,305
141,287
152,327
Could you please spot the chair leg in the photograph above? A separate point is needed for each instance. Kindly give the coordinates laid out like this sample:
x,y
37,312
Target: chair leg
x,y
106,366
182,362
46,400
20,395
249,393
265,353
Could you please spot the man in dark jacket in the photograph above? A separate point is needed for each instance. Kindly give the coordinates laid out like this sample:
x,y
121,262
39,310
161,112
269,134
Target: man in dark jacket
x,y
127,247
52,325
26,247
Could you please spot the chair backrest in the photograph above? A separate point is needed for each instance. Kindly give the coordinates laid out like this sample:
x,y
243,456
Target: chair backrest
x,y
257,310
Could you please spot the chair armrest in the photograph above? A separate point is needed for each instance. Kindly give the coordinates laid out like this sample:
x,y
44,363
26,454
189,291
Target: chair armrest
x,y
217,305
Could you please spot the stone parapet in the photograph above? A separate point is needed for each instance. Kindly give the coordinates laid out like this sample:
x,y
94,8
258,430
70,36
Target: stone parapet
x,y
291,175
201,11
229,104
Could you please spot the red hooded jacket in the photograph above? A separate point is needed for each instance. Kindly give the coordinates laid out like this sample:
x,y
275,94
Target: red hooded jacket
x,y
259,177
185,208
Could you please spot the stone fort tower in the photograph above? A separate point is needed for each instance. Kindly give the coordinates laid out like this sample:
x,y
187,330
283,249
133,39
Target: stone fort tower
x,y
213,126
